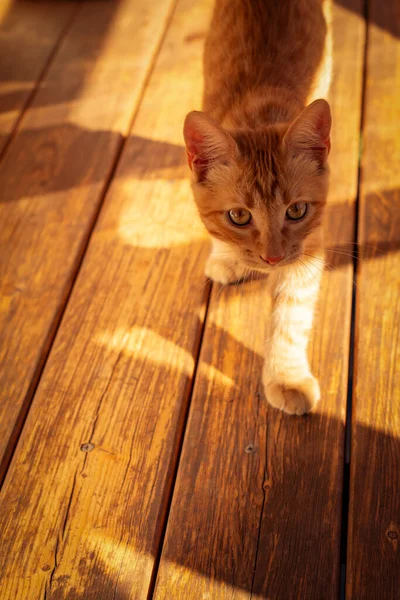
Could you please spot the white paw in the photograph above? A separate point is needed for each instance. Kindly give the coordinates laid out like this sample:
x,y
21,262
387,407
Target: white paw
x,y
221,271
293,398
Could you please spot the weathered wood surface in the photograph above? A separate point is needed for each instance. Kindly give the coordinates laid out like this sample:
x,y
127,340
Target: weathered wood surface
x,y
256,510
85,497
29,35
52,180
374,518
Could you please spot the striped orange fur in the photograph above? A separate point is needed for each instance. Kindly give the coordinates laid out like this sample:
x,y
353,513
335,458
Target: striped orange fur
x,y
257,152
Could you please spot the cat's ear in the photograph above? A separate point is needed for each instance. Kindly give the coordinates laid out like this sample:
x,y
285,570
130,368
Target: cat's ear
x,y
310,132
207,144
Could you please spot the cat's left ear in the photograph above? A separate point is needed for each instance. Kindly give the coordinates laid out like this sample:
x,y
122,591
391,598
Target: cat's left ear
x,y
310,132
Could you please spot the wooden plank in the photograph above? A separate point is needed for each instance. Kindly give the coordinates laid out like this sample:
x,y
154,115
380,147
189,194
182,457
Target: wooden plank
x,y
374,515
259,491
52,181
85,497
29,35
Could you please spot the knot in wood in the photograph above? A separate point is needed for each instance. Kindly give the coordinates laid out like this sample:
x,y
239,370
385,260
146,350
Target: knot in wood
x,y
87,447
250,449
393,535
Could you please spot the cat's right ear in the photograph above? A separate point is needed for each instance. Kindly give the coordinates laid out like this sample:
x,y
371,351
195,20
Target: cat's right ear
x,y
207,144
309,134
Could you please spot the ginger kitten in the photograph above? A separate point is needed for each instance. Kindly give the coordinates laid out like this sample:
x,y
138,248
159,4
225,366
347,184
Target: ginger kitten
x,y
259,163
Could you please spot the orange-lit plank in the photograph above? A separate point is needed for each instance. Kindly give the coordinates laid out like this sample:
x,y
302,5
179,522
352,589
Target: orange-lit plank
x,y
52,180
374,518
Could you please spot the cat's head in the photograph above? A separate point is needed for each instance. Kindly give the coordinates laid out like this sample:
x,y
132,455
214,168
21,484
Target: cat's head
x,y
262,192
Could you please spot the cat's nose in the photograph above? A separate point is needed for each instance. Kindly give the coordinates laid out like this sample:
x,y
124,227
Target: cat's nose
x,y
271,260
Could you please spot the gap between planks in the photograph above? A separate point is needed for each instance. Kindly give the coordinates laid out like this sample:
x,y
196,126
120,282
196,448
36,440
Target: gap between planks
x,y
350,378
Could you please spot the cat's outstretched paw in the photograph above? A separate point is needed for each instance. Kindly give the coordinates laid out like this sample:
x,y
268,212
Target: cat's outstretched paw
x,y
293,398
222,271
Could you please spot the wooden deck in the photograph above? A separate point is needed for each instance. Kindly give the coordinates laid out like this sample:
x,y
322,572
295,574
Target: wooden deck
x,y
138,458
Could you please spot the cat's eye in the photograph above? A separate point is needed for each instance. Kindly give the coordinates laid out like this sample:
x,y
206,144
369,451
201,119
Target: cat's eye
x,y
297,211
239,216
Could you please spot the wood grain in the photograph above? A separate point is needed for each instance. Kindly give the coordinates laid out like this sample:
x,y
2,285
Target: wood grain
x,y
29,35
256,511
52,181
374,517
84,501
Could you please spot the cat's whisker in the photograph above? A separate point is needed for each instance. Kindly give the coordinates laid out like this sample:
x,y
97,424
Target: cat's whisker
x,y
344,254
248,276
207,281
316,267
223,286
223,254
241,281
362,245
326,265
312,256
309,270
321,260
354,282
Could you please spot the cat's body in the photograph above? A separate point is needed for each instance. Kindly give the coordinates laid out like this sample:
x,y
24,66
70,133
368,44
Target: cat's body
x,y
260,176
261,58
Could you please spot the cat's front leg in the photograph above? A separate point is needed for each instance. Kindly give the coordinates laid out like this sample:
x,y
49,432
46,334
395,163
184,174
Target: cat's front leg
x,y
223,265
288,382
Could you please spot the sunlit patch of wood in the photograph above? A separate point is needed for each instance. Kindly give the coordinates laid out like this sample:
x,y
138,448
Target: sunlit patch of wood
x,y
163,214
207,588
323,79
147,345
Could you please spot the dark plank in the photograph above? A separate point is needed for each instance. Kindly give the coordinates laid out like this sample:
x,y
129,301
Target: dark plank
x,y
52,181
29,35
374,518
256,511
85,497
